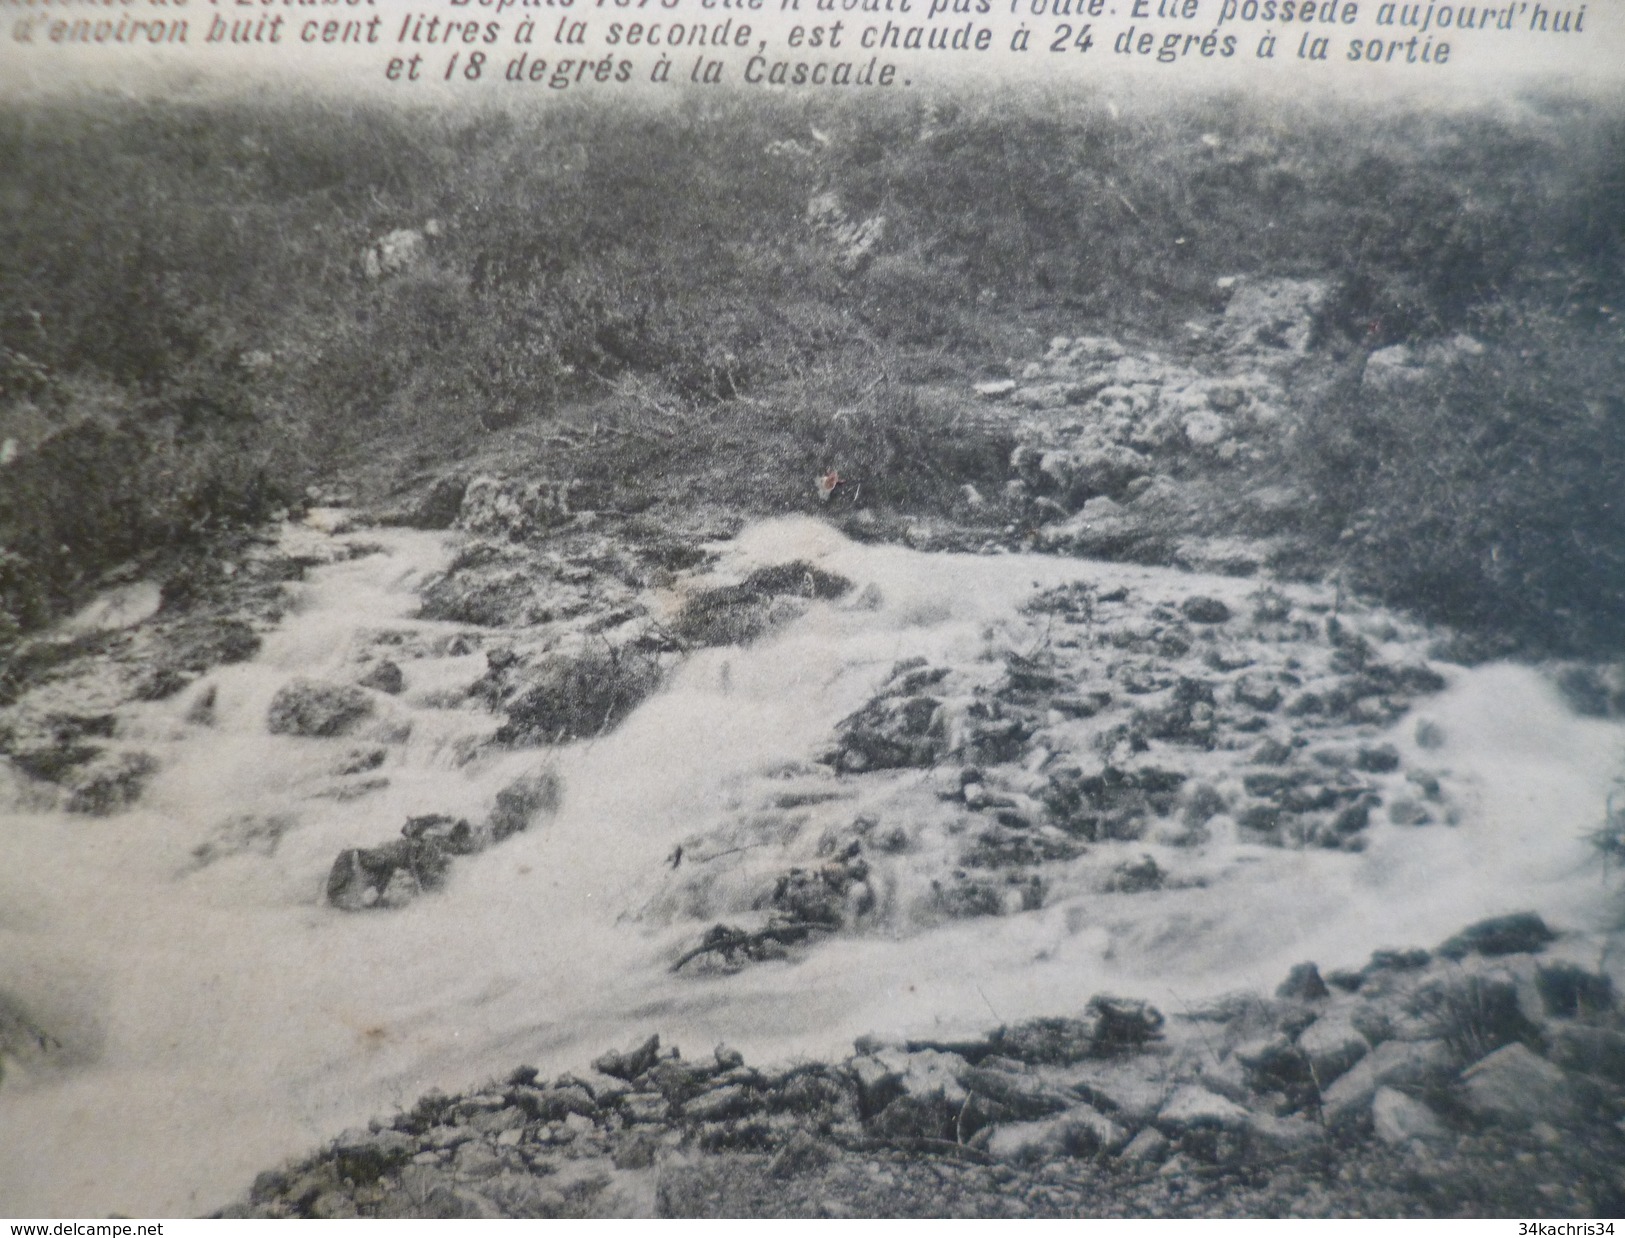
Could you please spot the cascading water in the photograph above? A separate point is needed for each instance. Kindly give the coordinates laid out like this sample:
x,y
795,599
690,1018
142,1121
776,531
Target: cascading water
x,y
216,1016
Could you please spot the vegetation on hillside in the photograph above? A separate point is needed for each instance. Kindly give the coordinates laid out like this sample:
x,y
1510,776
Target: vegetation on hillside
x,y
188,335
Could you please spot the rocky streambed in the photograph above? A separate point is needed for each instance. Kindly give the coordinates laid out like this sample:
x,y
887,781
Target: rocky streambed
x,y
1484,1078
365,811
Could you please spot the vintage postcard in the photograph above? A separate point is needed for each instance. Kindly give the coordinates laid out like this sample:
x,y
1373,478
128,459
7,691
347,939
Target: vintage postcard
x,y
812,608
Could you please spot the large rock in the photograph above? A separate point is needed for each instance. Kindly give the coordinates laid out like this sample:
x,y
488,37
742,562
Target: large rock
x,y
317,710
109,783
1109,1025
1080,1131
388,876
1523,932
1516,1087
1332,1045
515,509
1597,1051
1394,1063
1194,1106
1398,1119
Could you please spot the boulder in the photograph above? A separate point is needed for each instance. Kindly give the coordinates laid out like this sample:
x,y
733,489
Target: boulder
x,y
1022,1095
1514,1086
316,710
385,676
630,1064
1149,1147
1398,1119
1394,1063
1520,933
1194,1106
1596,1051
1332,1046
523,802
109,783
387,876
720,1104
515,509
1080,1131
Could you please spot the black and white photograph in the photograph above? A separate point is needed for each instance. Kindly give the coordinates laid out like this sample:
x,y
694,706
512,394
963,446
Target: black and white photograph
x,y
847,609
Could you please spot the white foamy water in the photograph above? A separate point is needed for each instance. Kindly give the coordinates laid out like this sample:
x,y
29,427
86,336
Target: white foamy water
x,y
218,1018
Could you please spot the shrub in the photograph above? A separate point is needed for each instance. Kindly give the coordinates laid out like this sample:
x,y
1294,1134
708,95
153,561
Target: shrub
x,y
1485,496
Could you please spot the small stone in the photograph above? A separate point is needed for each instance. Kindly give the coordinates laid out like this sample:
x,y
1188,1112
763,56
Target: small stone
x,y
1429,735
1146,1148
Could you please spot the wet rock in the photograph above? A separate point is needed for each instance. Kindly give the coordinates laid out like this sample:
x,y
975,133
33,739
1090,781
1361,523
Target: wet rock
x,y
438,508
386,676
631,1063
387,876
1398,1119
892,733
523,802
109,784
201,711
1514,1086
1136,876
1519,933
1272,752
567,697
1110,1025
738,614
1382,759
52,747
360,761
451,834
317,710
201,645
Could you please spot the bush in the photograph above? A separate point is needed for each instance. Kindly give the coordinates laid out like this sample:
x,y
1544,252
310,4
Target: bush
x,y
1486,496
